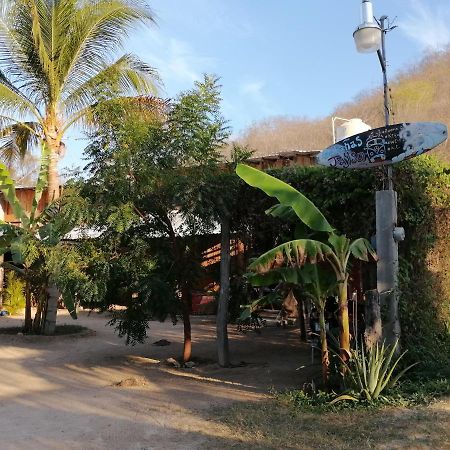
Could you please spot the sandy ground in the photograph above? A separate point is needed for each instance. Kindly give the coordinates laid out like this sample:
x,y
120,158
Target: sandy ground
x,y
93,392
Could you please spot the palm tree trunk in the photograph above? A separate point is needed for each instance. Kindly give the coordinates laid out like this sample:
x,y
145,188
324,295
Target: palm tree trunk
x,y
223,352
53,176
52,194
324,346
344,328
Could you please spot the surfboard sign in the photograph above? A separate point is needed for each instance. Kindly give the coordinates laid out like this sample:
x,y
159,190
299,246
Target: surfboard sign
x,y
384,146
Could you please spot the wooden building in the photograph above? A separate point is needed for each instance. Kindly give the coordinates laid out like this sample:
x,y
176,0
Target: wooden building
x,y
283,159
25,195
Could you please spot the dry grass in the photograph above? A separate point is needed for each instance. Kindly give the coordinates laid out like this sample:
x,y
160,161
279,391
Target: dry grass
x,y
271,425
418,94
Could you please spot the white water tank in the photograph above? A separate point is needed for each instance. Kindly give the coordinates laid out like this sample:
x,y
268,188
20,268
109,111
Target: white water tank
x,y
350,128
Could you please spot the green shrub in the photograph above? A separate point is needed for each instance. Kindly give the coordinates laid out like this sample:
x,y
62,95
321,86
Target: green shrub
x,y
14,293
406,394
347,197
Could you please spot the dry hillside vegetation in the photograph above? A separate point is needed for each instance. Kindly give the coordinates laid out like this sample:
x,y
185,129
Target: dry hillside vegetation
x,y
420,94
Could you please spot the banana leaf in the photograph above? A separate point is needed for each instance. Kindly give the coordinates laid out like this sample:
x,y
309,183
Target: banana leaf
x,y
8,189
293,253
361,249
41,182
280,275
304,208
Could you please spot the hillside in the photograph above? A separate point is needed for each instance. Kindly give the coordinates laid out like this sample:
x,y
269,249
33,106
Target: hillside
x,y
420,94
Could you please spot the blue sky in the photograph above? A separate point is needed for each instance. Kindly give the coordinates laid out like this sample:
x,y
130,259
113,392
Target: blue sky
x,y
285,57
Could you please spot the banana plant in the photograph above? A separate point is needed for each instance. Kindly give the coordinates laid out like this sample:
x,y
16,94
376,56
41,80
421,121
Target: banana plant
x,y
31,242
330,246
314,282
319,284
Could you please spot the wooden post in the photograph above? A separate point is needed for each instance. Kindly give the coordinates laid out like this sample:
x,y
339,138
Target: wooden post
x,y
223,352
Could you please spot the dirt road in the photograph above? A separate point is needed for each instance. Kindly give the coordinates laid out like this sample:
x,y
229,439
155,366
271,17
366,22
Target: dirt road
x,y
93,392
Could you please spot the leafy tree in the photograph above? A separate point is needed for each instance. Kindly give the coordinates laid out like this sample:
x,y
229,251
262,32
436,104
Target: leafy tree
x,y
147,177
55,65
336,249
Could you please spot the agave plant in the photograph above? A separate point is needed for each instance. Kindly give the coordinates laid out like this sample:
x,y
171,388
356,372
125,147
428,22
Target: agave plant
x,y
332,247
371,372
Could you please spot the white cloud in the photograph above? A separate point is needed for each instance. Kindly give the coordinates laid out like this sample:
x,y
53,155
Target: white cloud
x,y
430,27
176,61
253,88
253,91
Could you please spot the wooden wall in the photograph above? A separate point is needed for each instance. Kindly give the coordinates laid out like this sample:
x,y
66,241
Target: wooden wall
x,y
25,196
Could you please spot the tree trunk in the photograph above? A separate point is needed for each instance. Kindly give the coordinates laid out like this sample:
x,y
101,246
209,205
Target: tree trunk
x,y
41,308
324,346
301,319
223,352
53,175
28,320
51,310
344,329
372,316
2,279
186,305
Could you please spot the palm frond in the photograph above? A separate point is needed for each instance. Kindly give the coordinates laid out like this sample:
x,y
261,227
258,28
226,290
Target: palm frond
x,y
293,253
128,76
18,140
14,104
28,30
97,30
13,56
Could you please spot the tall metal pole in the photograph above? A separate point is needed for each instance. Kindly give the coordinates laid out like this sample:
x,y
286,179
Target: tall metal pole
x,y
387,110
386,221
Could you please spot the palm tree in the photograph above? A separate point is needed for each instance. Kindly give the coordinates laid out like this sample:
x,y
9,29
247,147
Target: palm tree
x,y
332,247
56,63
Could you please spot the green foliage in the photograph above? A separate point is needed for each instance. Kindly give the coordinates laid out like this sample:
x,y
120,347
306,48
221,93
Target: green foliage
x,y
149,193
370,372
40,257
14,293
405,394
288,196
423,186
424,208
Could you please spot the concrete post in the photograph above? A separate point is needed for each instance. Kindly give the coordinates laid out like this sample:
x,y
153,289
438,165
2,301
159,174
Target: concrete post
x,y
387,265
